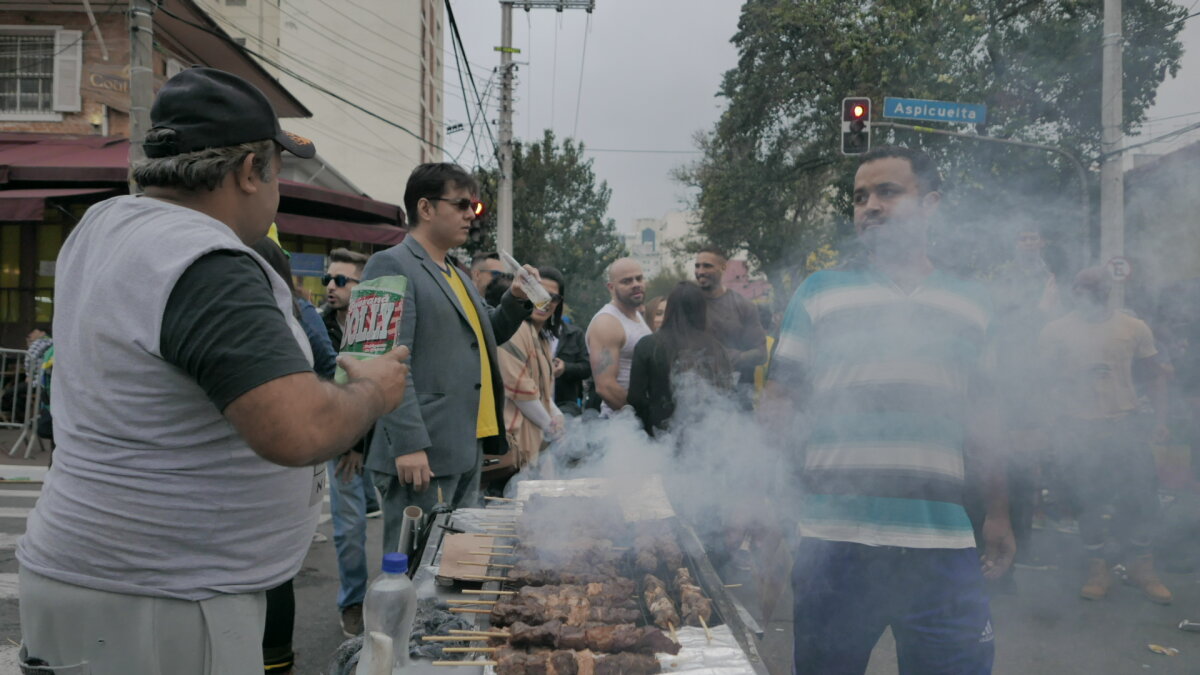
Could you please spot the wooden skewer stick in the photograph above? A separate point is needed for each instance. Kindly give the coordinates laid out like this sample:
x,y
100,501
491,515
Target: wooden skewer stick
x,y
453,650
497,535
707,632
451,638
502,499
479,564
671,626
469,610
470,591
482,633
477,577
470,602
466,663
499,547
494,554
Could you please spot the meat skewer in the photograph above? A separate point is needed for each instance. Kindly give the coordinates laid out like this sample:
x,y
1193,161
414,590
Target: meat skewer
x,y
510,661
662,609
507,612
536,573
612,639
696,608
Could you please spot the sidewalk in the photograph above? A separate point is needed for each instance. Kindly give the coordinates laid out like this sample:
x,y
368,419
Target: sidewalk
x,y
18,468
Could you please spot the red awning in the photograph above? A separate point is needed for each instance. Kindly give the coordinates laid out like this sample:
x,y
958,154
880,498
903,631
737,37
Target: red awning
x,y
28,205
372,233
44,161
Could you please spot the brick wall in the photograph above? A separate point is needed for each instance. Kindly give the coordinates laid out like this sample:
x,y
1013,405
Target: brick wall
x,y
96,106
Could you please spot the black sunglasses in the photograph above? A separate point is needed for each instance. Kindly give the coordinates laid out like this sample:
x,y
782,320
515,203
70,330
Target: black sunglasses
x,y
475,206
499,274
339,279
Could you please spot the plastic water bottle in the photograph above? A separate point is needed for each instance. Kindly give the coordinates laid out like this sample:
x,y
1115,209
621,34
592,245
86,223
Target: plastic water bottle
x,y
536,293
388,612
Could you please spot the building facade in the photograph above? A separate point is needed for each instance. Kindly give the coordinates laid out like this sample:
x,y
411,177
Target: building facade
x,y
385,55
64,128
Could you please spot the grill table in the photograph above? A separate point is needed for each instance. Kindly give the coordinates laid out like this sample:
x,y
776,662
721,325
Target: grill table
x,y
733,650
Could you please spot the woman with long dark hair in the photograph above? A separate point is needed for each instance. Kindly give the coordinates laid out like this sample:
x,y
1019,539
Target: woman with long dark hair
x,y
681,345
526,364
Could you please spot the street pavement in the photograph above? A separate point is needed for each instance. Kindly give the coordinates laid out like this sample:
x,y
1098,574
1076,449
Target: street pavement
x,y
1041,625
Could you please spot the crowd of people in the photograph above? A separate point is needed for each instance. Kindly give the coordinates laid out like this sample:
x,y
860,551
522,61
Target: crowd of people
x,y
185,499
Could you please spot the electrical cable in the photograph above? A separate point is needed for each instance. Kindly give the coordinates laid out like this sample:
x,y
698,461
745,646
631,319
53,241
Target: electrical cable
x,y
463,85
303,79
414,115
582,62
470,74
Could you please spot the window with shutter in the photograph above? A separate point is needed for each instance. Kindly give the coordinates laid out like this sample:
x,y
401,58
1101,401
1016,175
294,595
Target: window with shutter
x,y
68,68
26,73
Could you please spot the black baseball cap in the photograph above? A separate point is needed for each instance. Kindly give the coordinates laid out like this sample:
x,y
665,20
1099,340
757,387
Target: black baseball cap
x,y
210,108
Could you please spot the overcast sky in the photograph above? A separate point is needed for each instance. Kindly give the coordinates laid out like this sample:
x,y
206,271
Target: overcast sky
x,y
650,78
649,82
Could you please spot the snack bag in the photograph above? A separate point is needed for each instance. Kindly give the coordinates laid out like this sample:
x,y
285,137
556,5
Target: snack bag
x,y
373,319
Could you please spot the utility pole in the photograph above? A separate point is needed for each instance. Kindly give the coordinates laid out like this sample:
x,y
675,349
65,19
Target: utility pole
x,y
504,206
141,79
504,202
1112,176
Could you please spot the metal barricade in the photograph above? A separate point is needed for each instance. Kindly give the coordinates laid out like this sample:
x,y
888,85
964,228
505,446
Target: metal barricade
x,y
21,392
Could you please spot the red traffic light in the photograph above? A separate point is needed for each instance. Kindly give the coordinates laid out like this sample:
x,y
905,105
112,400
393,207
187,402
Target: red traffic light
x,y
478,209
856,108
856,125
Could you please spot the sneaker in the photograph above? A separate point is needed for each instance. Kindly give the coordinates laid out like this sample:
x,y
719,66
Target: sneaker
x,y
375,514
352,621
319,538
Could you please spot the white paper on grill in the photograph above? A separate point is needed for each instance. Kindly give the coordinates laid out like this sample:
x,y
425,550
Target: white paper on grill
x,y
698,656
642,498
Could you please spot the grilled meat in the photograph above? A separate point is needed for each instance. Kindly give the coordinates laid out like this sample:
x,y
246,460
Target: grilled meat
x,y
609,639
659,602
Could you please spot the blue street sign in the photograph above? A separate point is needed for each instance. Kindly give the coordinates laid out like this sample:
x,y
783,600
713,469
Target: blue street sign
x,y
934,111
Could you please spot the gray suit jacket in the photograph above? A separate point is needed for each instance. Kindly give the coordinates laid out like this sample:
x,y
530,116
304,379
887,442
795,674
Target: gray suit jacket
x,y
441,403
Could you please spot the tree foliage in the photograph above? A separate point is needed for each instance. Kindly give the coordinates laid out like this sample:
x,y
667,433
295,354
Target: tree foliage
x,y
559,218
772,182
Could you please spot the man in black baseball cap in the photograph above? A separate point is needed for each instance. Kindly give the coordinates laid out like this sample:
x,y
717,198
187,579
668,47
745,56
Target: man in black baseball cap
x,y
193,484
210,108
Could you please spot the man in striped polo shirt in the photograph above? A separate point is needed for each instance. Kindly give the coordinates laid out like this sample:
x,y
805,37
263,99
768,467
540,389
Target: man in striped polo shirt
x,y
888,361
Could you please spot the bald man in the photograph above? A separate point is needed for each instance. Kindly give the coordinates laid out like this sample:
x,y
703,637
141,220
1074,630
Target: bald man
x,y
614,331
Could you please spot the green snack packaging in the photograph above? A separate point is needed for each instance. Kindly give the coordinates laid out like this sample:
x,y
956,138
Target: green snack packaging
x,y
373,319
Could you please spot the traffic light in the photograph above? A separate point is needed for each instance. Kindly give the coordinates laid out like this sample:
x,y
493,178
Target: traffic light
x,y
478,209
856,125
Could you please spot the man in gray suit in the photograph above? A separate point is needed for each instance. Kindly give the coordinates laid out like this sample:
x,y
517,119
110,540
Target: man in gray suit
x,y
454,412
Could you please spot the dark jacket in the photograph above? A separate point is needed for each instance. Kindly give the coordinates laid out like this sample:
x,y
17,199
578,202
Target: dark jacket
x,y
329,316
568,388
441,403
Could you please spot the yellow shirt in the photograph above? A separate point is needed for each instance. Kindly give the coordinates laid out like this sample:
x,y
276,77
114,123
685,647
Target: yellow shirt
x,y
486,425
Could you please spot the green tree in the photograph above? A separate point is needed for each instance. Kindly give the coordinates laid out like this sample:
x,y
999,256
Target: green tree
x,y
771,180
559,218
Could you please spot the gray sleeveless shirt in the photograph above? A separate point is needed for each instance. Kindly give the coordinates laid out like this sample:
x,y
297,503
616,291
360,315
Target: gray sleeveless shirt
x,y
152,491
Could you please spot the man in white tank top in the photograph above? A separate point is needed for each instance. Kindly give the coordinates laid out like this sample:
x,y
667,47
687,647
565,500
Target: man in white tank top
x,y
614,331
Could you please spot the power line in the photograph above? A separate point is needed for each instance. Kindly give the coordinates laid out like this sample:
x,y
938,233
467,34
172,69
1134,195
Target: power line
x,y
582,61
413,114
303,79
479,101
1157,139
463,85
640,151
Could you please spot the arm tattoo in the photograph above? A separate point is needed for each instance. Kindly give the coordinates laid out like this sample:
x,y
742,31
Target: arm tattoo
x,y
606,360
